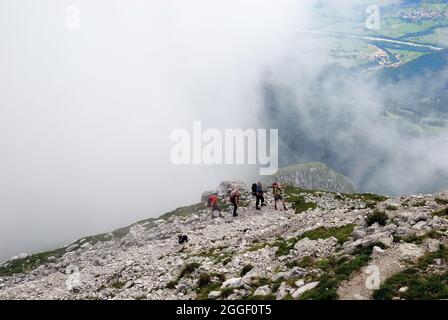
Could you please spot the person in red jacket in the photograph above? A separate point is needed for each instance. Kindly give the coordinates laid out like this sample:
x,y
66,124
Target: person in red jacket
x,y
213,204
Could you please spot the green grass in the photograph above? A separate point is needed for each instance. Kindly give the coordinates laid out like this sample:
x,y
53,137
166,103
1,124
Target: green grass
x,y
257,246
340,233
421,203
391,208
202,292
441,213
204,279
267,297
218,255
422,285
366,197
377,216
441,201
29,263
305,262
284,246
226,292
118,284
433,234
298,202
172,284
259,282
337,270
187,269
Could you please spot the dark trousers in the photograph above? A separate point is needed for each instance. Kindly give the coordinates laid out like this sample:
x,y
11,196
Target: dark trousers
x,y
235,207
260,198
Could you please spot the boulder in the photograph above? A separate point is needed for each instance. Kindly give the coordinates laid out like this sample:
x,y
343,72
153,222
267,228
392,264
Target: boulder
x,y
315,248
391,227
23,255
410,251
233,283
213,295
358,234
299,283
282,292
128,284
403,230
377,251
405,216
263,291
422,216
383,237
304,289
51,259
419,225
432,245
291,274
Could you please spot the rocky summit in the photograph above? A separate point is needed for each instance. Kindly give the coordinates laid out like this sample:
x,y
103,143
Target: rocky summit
x,y
327,245
312,176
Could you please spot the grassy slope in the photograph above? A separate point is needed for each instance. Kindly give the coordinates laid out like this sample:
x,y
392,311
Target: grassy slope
x,y
33,261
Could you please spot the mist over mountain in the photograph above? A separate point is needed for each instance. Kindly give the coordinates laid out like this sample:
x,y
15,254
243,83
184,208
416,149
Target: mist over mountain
x,y
380,120
86,115
352,132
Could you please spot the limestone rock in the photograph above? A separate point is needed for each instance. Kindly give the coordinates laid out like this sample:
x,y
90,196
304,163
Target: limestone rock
x,y
304,289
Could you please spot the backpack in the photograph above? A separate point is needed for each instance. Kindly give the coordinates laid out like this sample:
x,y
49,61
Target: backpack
x,y
209,201
232,197
254,189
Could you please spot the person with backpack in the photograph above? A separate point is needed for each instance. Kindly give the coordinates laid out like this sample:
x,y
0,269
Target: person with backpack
x,y
212,203
254,189
183,240
277,191
259,196
234,199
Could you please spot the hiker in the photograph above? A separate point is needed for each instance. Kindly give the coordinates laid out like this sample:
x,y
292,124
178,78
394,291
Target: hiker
x,y
234,199
213,204
277,191
259,196
183,238
254,189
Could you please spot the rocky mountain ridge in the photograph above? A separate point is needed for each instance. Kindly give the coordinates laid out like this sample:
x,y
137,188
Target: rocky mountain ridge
x,y
325,246
313,176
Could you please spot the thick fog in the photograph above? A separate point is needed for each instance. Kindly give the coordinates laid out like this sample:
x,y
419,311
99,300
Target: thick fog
x,y
86,113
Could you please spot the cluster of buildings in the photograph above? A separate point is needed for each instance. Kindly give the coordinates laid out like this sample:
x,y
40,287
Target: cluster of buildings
x,y
419,14
383,59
